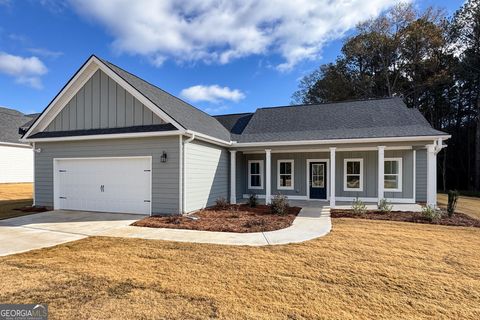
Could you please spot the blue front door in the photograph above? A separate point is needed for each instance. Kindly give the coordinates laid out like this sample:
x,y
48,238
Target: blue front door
x,y
318,180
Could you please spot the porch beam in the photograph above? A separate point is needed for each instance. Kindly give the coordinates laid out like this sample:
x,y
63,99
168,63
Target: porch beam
x,y
381,173
233,179
332,177
431,175
268,175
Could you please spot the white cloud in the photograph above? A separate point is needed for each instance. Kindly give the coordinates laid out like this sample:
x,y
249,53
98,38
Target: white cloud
x,y
24,70
220,31
213,93
46,53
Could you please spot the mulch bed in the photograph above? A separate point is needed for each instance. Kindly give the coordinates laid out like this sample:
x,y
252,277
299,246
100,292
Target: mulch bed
x,y
234,218
458,219
32,209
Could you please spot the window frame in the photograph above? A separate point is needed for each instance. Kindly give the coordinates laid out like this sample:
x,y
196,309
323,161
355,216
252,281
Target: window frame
x,y
292,162
261,173
399,174
345,185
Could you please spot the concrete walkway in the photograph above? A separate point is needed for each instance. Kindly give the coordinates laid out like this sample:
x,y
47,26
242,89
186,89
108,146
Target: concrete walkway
x,y
311,223
51,228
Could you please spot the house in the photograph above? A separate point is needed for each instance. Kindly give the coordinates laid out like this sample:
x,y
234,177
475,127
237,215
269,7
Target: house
x,y
16,158
110,141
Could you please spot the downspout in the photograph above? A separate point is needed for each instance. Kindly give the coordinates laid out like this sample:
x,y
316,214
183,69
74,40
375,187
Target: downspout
x,y
184,143
34,151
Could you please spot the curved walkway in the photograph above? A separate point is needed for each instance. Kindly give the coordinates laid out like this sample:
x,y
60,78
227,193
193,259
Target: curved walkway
x,y
311,223
51,228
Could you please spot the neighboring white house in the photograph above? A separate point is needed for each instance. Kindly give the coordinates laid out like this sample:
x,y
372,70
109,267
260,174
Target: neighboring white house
x,y
16,158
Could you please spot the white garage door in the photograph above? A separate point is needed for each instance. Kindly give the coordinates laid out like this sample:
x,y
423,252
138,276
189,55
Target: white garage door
x,y
104,184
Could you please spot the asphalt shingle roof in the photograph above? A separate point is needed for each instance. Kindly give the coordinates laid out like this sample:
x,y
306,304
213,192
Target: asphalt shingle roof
x,y
10,121
342,120
183,113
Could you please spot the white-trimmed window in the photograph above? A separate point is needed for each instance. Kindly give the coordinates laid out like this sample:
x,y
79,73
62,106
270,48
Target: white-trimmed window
x,y
353,175
255,174
392,174
285,169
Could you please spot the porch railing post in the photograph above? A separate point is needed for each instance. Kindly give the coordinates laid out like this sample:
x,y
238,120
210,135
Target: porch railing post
x,y
233,179
268,175
381,171
332,177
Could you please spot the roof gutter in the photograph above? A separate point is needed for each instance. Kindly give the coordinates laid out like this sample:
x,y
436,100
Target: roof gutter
x,y
338,141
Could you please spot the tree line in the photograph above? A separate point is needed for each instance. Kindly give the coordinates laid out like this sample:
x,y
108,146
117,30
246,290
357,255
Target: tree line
x,y
429,59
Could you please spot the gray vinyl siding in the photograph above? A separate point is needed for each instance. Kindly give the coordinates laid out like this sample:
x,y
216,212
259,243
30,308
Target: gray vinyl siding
x,y
165,175
207,169
299,169
370,173
102,103
241,167
407,174
421,172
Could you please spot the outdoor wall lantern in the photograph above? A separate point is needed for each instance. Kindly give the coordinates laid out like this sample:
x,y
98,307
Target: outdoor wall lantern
x,y
163,158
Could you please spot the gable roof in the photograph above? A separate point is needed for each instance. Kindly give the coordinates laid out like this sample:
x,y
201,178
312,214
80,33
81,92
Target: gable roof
x,y
10,121
183,113
376,118
234,123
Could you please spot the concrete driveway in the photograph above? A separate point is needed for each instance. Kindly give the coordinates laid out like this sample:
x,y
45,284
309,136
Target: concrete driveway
x,y
55,227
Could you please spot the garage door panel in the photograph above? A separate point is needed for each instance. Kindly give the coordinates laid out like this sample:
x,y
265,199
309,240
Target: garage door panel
x,y
108,185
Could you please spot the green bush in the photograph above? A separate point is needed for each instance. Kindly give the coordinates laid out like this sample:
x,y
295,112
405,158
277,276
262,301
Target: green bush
x,y
358,206
452,202
221,203
431,213
279,204
384,206
253,200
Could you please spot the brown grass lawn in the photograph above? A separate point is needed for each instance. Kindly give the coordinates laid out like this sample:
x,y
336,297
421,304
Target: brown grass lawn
x,y
362,269
16,191
467,205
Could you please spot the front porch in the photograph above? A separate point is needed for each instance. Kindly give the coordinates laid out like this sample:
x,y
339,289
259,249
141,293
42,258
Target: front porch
x,y
339,174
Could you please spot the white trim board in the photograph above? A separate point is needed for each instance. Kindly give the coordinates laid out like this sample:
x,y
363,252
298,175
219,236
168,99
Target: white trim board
x,y
262,196
337,141
375,200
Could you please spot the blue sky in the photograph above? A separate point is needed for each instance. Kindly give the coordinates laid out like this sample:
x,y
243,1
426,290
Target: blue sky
x,y
222,57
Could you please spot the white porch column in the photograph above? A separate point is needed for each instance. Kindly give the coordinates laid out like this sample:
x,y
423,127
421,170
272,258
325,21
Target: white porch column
x,y
233,179
332,177
381,171
268,175
431,175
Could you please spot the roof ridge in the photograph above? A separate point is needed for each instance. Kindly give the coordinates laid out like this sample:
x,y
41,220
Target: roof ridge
x,y
326,103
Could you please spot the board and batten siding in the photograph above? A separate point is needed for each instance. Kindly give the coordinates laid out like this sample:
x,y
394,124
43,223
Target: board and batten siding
x,y
421,172
16,164
206,174
165,175
100,104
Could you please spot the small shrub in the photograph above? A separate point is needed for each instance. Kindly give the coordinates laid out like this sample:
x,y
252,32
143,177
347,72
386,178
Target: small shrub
x,y
253,200
384,206
358,206
431,213
452,202
221,203
279,204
